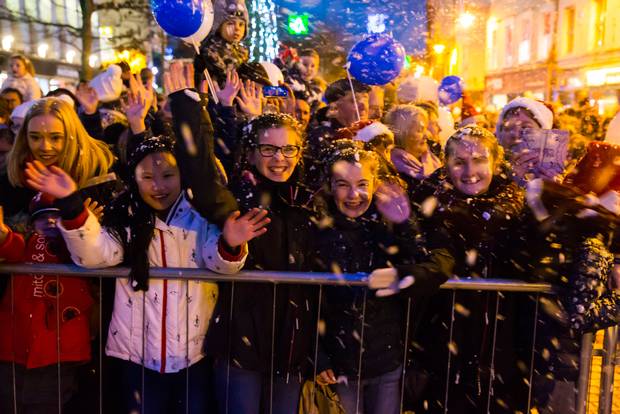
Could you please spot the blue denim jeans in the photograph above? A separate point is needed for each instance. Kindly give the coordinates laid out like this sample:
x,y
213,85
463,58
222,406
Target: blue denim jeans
x,y
248,391
379,395
164,393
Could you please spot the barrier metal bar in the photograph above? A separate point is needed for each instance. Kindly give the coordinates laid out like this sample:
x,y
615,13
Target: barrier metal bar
x,y
351,279
607,375
585,365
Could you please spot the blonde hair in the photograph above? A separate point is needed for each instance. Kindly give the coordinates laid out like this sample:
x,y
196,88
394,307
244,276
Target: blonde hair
x,y
399,120
27,63
83,157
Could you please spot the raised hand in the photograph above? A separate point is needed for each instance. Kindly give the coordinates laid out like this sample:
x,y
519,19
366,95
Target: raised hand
x,y
387,282
136,107
94,208
231,89
53,180
87,97
250,98
239,230
392,202
178,77
383,278
523,163
326,377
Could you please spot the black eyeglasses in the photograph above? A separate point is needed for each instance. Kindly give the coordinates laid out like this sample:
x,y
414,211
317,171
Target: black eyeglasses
x,y
288,151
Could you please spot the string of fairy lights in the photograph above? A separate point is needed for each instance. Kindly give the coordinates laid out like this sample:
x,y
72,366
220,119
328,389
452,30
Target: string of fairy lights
x,y
264,30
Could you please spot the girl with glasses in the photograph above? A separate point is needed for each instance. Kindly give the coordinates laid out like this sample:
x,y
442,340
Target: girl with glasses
x,y
255,366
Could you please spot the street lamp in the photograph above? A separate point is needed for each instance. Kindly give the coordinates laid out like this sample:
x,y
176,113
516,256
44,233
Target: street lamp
x,y
7,42
466,20
42,50
70,56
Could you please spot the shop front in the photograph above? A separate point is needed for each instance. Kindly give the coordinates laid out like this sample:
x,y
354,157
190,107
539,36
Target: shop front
x,y
504,86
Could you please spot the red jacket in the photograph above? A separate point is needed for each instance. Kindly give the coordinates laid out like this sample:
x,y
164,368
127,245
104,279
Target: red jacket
x,y
31,309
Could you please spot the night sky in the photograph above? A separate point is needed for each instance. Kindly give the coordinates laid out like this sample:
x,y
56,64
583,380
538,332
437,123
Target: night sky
x,y
406,19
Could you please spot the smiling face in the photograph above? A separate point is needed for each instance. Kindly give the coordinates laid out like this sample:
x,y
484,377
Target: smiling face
x,y
232,30
46,138
277,167
159,181
311,67
352,187
470,166
512,125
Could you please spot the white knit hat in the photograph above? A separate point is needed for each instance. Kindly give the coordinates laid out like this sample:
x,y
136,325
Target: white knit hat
x,y
20,111
108,85
419,89
542,114
369,132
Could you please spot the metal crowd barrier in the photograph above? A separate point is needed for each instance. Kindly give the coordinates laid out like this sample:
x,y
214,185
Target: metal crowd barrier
x,y
608,352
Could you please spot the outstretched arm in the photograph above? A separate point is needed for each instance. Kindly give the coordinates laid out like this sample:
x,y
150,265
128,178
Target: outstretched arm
x,y
194,148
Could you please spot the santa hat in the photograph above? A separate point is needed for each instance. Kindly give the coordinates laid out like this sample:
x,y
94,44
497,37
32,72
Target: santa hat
x,y
370,131
364,131
598,171
40,204
108,85
541,112
613,130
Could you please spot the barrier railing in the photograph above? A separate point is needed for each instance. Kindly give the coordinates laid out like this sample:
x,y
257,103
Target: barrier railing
x,y
330,279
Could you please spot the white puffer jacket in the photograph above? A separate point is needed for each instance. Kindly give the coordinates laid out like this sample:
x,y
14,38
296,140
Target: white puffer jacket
x,y
172,339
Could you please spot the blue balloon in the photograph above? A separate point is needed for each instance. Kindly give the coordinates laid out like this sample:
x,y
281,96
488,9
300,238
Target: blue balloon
x,y
450,90
180,18
376,60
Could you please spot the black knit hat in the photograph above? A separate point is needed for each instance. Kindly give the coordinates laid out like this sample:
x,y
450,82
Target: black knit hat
x,y
150,145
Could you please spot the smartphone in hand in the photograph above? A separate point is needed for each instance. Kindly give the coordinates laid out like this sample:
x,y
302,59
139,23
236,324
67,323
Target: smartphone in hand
x,y
275,91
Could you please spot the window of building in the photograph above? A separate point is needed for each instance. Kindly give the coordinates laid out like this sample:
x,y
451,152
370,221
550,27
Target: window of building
x,y
73,13
509,45
524,43
45,10
544,41
600,13
569,29
13,5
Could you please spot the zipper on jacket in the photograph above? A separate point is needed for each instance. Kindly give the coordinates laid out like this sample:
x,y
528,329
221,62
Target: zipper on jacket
x,y
163,306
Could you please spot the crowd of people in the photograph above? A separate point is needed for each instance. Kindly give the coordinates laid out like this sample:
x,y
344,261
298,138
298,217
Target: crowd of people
x,y
274,169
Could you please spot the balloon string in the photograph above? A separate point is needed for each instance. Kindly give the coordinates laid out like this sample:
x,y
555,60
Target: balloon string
x,y
357,110
206,74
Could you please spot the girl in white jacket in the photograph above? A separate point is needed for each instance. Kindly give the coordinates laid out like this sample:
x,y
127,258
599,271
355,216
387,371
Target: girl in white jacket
x,y
157,324
21,77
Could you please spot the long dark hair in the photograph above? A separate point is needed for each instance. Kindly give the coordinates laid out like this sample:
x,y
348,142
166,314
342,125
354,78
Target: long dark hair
x,y
128,210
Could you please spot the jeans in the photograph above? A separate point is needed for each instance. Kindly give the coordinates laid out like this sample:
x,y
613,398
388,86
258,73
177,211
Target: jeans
x,y
379,395
248,391
163,393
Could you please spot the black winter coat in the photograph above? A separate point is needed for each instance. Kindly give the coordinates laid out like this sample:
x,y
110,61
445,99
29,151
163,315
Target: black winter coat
x,y
363,245
198,168
480,231
246,337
